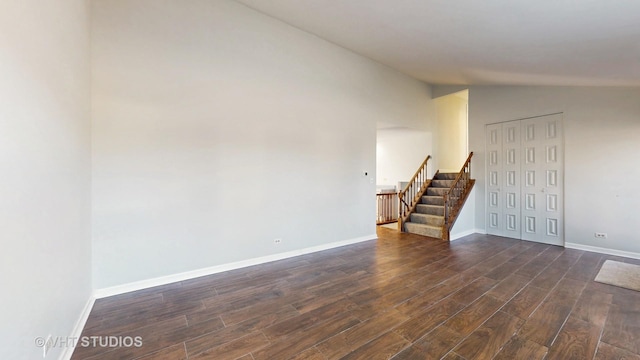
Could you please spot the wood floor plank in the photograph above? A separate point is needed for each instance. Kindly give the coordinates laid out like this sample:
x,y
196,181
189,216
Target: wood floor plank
x,y
419,303
402,296
504,270
306,320
509,287
249,296
234,349
473,315
525,302
358,335
453,356
383,348
412,352
593,307
474,290
198,344
430,280
577,340
434,345
610,352
175,352
549,277
540,262
567,290
622,328
257,319
234,316
487,340
519,348
298,342
309,354
424,322
545,323
314,302
586,268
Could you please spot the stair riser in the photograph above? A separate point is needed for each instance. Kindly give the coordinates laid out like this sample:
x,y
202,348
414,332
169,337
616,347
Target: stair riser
x,y
437,191
442,183
433,200
430,209
427,219
434,233
446,176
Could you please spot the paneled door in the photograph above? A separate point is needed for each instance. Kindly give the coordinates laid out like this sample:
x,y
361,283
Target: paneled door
x,y
494,201
542,179
503,182
525,179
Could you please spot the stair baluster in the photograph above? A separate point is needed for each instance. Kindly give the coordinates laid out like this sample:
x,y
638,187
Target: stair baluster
x,y
455,197
410,195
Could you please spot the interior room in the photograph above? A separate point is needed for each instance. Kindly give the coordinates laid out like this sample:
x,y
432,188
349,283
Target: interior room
x,y
210,167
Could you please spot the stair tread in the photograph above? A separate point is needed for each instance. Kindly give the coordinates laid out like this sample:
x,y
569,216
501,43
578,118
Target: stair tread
x,y
432,200
423,225
427,219
430,209
424,230
446,176
429,215
442,183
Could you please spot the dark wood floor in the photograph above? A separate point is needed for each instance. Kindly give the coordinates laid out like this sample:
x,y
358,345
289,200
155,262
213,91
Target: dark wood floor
x,y
401,297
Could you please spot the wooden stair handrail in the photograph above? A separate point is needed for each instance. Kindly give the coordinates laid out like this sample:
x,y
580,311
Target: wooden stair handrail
x,y
414,189
459,191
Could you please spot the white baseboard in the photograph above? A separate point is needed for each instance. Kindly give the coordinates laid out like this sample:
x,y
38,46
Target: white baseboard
x,y
462,234
78,327
627,254
163,280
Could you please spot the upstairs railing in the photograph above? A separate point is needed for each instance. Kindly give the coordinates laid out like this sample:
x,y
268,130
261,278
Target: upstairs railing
x,y
410,195
455,197
386,207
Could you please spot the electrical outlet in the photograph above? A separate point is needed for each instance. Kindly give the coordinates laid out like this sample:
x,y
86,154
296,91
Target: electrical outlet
x,y
47,345
277,241
601,235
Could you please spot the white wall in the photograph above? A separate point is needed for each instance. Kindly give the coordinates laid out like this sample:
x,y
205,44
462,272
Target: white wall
x,y
399,152
466,222
45,271
601,146
451,141
217,129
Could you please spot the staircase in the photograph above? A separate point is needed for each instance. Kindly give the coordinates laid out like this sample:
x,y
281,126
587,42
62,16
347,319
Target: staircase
x,y
428,217
430,207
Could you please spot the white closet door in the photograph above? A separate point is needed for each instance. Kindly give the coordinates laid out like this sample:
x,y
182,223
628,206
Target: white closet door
x,y
494,199
525,179
511,178
542,180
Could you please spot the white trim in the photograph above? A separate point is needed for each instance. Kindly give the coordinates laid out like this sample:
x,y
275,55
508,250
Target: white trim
x,y
163,280
456,236
462,234
602,250
78,327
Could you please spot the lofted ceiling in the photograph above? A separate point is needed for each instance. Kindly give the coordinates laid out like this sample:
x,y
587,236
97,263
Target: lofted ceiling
x,y
536,42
